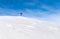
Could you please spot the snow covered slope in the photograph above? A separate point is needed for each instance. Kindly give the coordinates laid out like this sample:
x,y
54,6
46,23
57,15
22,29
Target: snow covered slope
x,y
16,27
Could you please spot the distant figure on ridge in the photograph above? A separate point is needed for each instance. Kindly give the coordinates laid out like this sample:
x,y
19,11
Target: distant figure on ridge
x,y
21,14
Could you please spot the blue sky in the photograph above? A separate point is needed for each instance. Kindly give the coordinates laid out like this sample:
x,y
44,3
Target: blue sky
x,y
30,4
30,8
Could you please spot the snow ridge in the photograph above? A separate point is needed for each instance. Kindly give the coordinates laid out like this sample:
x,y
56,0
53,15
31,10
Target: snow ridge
x,y
17,27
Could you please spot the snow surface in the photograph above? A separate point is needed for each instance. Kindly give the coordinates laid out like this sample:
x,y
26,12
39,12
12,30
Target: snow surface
x,y
17,27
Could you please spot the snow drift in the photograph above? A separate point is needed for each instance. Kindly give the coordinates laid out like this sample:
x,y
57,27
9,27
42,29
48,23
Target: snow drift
x,y
17,27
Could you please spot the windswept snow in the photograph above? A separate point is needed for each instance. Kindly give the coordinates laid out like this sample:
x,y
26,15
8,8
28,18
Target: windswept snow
x,y
17,27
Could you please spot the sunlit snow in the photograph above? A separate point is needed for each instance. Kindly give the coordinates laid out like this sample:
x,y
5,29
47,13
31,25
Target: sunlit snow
x,y
17,27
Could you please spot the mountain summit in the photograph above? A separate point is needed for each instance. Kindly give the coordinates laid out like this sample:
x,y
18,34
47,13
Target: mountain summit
x,y
17,27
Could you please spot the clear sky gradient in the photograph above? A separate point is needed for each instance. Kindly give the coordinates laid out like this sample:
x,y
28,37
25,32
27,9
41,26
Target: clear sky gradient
x,y
30,8
30,4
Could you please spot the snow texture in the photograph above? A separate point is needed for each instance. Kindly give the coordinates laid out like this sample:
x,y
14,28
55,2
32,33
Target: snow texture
x,y
17,27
